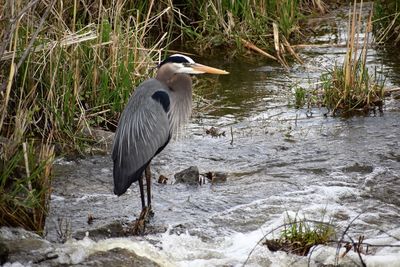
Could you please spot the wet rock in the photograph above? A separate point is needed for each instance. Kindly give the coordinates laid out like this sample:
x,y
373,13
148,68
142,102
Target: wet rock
x,y
117,257
190,175
3,252
217,177
102,138
115,229
162,179
90,218
25,247
359,168
118,229
215,132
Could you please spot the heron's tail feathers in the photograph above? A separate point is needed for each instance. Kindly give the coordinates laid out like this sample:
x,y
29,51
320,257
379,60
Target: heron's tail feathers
x,y
124,177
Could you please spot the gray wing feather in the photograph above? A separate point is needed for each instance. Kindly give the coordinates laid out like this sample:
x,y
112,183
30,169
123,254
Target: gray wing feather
x,y
143,129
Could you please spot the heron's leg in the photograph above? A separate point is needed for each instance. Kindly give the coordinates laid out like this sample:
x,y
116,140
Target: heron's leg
x,y
147,173
142,192
140,224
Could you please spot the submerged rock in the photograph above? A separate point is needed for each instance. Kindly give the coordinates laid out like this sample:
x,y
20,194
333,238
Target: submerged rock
x,y
190,175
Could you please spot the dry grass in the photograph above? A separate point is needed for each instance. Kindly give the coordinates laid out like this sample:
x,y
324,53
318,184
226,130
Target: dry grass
x,y
351,87
65,67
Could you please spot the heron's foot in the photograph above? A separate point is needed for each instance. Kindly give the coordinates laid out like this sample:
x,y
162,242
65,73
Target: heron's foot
x,y
150,213
139,225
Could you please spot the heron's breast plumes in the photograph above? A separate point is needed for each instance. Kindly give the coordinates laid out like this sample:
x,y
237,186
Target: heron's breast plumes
x,y
181,101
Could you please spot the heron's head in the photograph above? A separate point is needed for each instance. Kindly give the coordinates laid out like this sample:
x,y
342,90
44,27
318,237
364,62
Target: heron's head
x,y
184,64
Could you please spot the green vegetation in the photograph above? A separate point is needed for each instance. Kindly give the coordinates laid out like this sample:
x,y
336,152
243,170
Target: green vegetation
x,y
298,236
25,187
387,21
225,22
300,96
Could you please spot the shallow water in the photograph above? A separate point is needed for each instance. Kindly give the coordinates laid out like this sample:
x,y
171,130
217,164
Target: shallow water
x,y
280,162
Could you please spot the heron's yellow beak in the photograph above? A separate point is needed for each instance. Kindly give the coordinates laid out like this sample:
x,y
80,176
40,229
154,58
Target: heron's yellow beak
x,y
199,68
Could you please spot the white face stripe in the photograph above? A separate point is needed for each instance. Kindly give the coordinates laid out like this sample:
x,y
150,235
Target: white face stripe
x,y
181,68
185,57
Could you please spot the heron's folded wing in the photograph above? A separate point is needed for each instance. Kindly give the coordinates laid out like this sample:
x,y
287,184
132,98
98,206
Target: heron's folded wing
x,y
143,129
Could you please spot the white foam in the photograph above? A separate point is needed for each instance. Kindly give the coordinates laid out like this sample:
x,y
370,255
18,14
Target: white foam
x,y
15,264
74,252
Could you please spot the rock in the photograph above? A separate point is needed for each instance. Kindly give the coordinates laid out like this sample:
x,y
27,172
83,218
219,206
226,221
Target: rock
x,y
162,179
117,257
24,248
359,168
114,229
102,138
217,177
215,132
190,175
3,253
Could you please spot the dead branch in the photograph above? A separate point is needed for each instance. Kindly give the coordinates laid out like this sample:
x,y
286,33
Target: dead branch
x,y
251,46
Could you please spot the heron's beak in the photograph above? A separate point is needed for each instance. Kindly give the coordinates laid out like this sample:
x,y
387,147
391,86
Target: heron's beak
x,y
199,68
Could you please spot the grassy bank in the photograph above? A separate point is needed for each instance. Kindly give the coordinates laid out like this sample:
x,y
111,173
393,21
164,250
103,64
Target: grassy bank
x,y
65,68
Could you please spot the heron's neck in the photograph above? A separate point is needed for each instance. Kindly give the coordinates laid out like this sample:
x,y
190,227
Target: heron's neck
x,y
181,100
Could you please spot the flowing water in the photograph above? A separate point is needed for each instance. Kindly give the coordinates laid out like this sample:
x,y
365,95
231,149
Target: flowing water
x,y
280,162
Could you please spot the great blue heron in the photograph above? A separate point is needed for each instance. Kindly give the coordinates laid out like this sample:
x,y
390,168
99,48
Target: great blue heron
x,y
155,111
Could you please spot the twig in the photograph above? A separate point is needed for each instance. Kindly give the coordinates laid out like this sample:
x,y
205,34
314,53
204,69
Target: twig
x,y
357,249
392,90
277,46
366,244
291,51
342,238
68,40
276,37
231,136
28,176
300,46
28,173
251,46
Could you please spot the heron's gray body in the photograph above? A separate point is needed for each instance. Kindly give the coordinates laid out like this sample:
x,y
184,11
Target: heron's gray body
x,y
143,130
154,112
